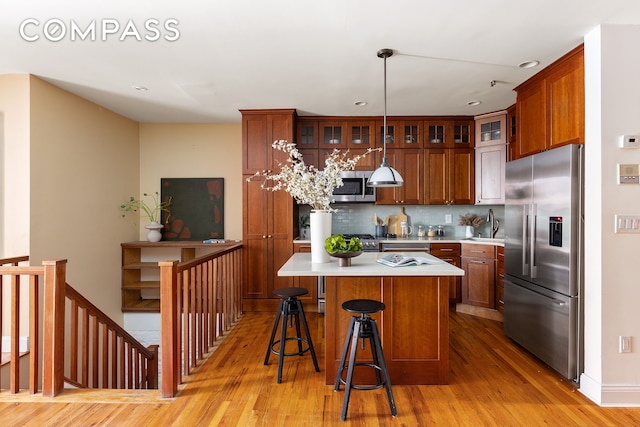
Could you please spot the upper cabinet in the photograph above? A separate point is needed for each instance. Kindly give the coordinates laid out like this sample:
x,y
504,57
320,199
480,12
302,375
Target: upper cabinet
x,y
491,158
402,133
260,128
449,133
550,106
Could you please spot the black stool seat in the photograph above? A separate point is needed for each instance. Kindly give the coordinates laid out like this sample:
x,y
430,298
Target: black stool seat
x,y
290,292
363,327
291,311
363,306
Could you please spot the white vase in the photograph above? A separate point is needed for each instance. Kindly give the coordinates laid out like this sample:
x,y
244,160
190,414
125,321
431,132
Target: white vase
x,y
154,234
320,225
469,231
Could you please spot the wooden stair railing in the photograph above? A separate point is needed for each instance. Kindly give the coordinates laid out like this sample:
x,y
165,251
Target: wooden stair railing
x,y
200,300
101,353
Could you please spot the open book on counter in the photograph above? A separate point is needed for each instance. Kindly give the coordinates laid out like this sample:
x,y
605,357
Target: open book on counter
x,y
397,260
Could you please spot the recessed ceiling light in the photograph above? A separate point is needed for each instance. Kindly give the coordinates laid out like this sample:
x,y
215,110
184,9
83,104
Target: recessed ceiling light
x,y
140,88
360,103
529,64
474,103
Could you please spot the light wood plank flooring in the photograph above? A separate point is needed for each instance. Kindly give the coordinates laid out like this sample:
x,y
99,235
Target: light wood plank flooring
x,y
493,383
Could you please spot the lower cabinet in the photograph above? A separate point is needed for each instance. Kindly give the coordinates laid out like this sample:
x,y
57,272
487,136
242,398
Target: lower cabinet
x,y
449,252
500,278
478,282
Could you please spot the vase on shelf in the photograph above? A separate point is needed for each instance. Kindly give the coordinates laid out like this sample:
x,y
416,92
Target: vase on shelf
x,y
469,231
154,234
320,226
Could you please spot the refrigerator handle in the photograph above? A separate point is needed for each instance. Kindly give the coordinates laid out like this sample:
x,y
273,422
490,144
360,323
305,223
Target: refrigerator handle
x,y
525,241
532,239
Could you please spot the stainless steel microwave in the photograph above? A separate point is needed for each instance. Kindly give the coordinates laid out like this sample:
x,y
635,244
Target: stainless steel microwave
x,y
355,188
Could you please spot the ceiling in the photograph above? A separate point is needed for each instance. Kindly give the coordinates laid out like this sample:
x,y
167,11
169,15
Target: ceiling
x,y
217,57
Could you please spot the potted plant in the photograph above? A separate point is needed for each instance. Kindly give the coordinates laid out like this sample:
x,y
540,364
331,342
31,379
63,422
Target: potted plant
x,y
151,210
470,221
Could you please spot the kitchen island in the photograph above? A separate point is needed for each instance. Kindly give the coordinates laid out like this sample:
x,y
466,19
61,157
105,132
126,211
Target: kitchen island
x,y
414,326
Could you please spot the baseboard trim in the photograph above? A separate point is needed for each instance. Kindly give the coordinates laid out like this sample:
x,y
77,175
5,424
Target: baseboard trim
x,y
619,395
487,313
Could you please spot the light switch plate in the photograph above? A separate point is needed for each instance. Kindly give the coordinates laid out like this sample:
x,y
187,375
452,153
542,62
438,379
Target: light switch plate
x,y
627,224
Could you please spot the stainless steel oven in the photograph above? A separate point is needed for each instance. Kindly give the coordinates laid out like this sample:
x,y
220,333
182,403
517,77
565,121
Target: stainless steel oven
x,y
420,246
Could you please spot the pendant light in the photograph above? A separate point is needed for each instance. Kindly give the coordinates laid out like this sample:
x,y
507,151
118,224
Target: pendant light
x,y
385,175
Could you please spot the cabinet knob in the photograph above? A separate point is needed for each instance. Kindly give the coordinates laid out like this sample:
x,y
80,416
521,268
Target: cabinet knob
x,y
264,237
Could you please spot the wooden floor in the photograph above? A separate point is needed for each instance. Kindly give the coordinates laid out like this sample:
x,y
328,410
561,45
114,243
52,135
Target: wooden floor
x,y
492,383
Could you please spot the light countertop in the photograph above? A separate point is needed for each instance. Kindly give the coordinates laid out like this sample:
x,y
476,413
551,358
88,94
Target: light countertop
x,y
365,265
473,240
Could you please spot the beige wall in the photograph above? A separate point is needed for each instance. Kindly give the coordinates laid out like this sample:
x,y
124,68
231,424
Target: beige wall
x,y
195,151
14,113
84,165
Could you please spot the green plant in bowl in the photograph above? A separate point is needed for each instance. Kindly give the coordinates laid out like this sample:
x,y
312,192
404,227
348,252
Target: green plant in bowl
x,y
338,247
338,244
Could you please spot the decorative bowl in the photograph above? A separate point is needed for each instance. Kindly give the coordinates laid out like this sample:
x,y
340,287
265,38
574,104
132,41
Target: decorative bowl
x,y
344,258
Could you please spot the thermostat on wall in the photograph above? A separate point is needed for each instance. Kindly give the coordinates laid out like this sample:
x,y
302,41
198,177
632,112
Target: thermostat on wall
x,y
628,174
630,141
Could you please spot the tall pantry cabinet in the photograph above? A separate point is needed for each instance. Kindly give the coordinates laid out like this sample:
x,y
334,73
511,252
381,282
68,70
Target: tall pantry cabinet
x,y
267,223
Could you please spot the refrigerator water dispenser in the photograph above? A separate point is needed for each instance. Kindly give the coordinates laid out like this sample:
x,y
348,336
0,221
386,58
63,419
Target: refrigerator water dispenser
x,y
555,231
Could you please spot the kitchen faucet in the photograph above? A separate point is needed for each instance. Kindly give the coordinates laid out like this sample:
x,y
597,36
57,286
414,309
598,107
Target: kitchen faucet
x,y
494,223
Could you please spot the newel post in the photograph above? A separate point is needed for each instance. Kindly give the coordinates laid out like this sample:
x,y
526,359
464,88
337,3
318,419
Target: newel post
x,y
169,328
53,327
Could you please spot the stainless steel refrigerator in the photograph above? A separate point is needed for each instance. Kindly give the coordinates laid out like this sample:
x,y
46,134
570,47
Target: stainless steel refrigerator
x,y
544,256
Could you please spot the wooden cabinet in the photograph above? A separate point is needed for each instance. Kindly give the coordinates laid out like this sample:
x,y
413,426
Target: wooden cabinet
x,y
490,158
403,132
449,252
268,217
413,327
434,155
309,283
260,128
550,106
449,133
449,176
409,163
478,282
141,274
500,279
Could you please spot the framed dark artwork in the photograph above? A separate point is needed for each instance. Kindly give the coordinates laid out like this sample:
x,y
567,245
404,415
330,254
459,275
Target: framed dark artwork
x,y
197,208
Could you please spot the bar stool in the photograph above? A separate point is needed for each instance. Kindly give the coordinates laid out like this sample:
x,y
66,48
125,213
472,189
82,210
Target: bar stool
x,y
290,308
362,327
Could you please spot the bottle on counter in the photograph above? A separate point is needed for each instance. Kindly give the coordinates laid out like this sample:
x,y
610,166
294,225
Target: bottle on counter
x,y
440,231
421,231
431,232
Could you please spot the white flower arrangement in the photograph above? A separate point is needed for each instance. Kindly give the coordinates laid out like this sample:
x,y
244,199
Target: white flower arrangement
x,y
307,184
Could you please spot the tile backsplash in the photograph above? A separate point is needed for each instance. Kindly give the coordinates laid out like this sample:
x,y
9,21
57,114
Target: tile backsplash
x,y
358,217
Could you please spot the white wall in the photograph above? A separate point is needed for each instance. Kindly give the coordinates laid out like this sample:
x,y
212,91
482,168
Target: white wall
x,y
612,267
